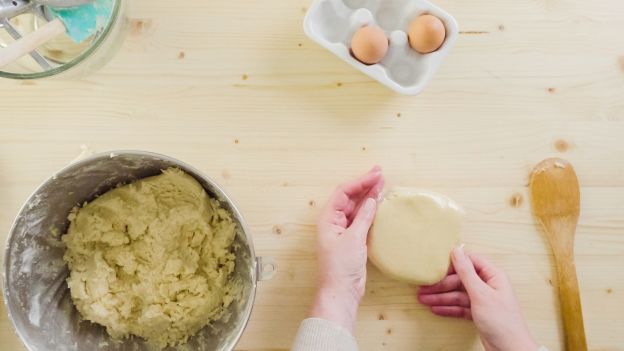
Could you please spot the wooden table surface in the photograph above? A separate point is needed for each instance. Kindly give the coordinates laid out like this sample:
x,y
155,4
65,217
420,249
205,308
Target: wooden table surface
x,y
236,89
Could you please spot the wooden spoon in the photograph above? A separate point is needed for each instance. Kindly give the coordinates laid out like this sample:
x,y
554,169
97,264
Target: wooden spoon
x,y
555,198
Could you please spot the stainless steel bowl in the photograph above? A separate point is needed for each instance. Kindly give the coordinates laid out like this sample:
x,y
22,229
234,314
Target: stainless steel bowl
x,y
34,274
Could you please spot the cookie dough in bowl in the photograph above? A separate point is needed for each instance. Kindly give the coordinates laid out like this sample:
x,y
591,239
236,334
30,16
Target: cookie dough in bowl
x,y
152,258
413,234
34,279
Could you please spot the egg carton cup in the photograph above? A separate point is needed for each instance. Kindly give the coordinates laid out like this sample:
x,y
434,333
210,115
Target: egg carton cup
x,y
332,23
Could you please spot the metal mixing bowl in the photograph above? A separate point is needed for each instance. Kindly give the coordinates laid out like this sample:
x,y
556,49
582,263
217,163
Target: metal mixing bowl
x,y
34,274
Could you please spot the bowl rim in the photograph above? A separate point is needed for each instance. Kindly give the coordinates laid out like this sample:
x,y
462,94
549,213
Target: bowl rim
x,y
81,161
82,57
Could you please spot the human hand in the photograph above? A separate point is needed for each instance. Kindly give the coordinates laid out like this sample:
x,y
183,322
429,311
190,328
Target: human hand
x,y
477,290
342,231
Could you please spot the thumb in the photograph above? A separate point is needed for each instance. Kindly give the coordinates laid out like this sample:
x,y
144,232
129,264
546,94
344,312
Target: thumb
x,y
364,218
466,271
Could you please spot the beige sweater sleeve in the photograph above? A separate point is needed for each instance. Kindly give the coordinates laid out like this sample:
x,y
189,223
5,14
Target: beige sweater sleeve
x,y
317,334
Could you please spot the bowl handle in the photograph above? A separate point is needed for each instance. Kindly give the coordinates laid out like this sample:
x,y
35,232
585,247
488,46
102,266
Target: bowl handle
x,y
266,267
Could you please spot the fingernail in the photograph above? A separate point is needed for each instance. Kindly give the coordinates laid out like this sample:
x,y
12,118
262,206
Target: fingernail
x,y
459,250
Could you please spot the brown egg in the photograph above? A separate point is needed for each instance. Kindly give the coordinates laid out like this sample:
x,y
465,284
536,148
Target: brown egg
x,y
369,45
426,34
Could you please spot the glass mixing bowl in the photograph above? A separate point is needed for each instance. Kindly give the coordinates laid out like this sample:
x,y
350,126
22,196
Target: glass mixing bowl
x,y
61,56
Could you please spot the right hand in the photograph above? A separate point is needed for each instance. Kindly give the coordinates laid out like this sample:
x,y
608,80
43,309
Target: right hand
x,y
477,290
342,253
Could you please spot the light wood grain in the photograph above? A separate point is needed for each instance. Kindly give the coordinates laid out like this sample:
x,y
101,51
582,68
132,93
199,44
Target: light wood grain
x,y
235,89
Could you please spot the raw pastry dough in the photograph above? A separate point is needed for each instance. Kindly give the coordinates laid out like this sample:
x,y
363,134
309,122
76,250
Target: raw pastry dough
x,y
152,258
413,235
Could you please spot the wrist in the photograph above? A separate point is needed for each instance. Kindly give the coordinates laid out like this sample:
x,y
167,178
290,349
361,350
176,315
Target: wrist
x,y
336,304
519,344
527,344
524,342
510,342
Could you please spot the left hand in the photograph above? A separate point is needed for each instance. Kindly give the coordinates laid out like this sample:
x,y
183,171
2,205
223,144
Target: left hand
x,y
477,290
342,232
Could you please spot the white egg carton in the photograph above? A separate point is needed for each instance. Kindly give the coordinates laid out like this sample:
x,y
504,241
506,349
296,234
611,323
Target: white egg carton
x,y
332,23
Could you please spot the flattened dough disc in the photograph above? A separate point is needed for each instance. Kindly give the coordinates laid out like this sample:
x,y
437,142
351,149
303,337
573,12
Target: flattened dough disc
x,y
413,235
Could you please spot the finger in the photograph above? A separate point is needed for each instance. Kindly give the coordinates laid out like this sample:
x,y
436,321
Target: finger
x,y
341,205
373,193
466,271
346,197
453,298
377,188
339,201
451,269
452,311
361,185
364,218
339,219
332,213
331,222
486,269
449,283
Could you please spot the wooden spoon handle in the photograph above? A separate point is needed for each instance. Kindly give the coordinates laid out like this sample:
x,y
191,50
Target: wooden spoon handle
x,y
570,301
31,41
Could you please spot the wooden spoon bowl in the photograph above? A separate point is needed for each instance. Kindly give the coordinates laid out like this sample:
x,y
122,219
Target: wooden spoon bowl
x,y
555,198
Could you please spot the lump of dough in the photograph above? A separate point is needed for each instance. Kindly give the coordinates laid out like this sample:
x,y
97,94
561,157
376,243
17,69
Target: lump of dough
x,y
153,258
413,234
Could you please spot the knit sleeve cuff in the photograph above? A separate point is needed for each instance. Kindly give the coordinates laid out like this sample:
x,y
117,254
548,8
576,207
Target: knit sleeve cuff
x,y
316,334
